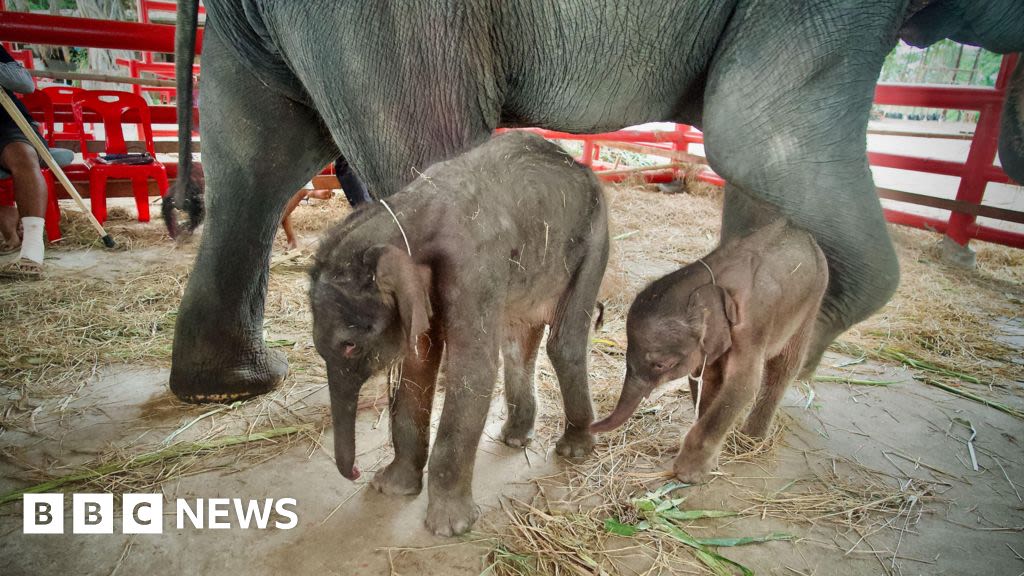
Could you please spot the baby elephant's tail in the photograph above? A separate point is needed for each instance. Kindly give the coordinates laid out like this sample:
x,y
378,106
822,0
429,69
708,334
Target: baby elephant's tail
x,y
599,323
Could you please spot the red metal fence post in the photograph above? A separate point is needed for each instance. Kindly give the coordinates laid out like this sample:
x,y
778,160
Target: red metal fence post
x,y
587,158
980,158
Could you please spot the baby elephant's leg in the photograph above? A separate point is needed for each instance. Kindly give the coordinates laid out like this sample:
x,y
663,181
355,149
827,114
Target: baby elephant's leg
x,y
778,373
520,357
470,372
568,342
410,420
702,444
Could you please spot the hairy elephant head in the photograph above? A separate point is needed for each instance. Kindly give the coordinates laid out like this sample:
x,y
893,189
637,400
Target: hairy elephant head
x,y
672,331
367,311
996,25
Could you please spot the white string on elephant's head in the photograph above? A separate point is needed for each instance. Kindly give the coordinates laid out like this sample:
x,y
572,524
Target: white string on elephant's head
x,y
701,260
402,230
699,379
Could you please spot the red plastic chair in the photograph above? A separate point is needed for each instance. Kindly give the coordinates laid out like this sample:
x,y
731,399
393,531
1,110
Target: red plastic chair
x,y
64,96
112,106
25,58
41,110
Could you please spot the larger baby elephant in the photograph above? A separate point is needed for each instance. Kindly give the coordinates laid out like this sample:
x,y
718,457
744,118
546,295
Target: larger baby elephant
x,y
481,251
742,317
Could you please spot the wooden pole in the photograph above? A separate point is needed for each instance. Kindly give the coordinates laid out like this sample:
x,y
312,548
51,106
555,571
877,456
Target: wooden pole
x,y
55,75
44,153
637,169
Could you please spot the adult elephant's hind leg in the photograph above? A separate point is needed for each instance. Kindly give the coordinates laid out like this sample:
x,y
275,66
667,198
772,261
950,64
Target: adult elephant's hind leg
x,y
785,115
258,149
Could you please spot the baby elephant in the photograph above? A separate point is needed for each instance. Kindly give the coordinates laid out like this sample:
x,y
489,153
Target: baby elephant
x,y
741,318
478,253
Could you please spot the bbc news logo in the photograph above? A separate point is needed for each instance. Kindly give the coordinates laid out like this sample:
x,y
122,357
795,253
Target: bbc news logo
x,y
144,513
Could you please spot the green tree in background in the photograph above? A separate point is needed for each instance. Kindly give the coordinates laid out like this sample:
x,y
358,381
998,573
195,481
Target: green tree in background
x,y
944,62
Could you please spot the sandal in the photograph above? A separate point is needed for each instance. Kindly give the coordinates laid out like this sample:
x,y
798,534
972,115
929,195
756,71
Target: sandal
x,y
22,269
8,248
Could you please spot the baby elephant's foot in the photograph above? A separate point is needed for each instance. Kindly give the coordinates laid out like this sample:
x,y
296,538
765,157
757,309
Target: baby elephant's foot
x,y
516,435
451,516
757,427
694,469
575,444
398,480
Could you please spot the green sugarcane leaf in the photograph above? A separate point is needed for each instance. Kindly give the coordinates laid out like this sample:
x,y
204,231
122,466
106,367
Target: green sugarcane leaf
x,y
696,514
666,488
667,505
729,542
615,527
644,504
713,562
680,534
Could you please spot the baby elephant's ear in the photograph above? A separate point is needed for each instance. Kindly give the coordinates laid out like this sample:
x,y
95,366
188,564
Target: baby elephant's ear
x,y
718,313
731,310
396,276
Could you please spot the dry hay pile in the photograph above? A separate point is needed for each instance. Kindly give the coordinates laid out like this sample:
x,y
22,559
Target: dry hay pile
x,y
942,320
846,494
60,334
122,224
582,520
67,326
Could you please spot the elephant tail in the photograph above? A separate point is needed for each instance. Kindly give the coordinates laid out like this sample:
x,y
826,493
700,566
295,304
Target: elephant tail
x,y
187,193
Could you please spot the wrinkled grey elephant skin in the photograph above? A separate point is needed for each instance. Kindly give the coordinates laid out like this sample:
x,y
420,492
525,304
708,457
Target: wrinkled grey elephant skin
x,y
741,320
781,89
505,240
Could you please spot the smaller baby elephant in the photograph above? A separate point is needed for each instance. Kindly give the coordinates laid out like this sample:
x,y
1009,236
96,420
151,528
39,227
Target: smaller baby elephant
x,y
478,254
741,318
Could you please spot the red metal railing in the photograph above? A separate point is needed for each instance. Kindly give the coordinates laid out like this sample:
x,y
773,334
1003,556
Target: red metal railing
x,y
975,173
88,32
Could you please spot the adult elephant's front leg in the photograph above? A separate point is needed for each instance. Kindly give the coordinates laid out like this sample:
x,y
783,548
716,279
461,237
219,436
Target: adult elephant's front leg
x,y
258,149
786,110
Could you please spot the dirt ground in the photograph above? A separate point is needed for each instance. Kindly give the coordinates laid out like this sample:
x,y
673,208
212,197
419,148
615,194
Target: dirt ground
x,y
870,472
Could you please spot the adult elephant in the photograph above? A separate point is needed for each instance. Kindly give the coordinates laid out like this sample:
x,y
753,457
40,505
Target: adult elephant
x,y
782,90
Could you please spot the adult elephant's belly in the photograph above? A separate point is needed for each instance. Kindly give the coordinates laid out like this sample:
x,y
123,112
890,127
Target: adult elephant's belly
x,y
605,65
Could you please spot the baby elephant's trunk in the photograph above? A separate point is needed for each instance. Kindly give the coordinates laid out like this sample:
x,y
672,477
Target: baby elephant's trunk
x,y
344,405
633,391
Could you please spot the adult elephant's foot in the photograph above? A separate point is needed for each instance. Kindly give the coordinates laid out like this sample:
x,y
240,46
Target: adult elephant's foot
x,y
451,515
198,376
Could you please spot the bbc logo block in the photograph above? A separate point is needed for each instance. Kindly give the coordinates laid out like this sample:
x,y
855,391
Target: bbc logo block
x,y
144,514
43,514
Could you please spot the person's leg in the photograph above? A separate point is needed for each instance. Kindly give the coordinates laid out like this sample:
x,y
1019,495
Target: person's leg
x,y
11,241
20,159
286,221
